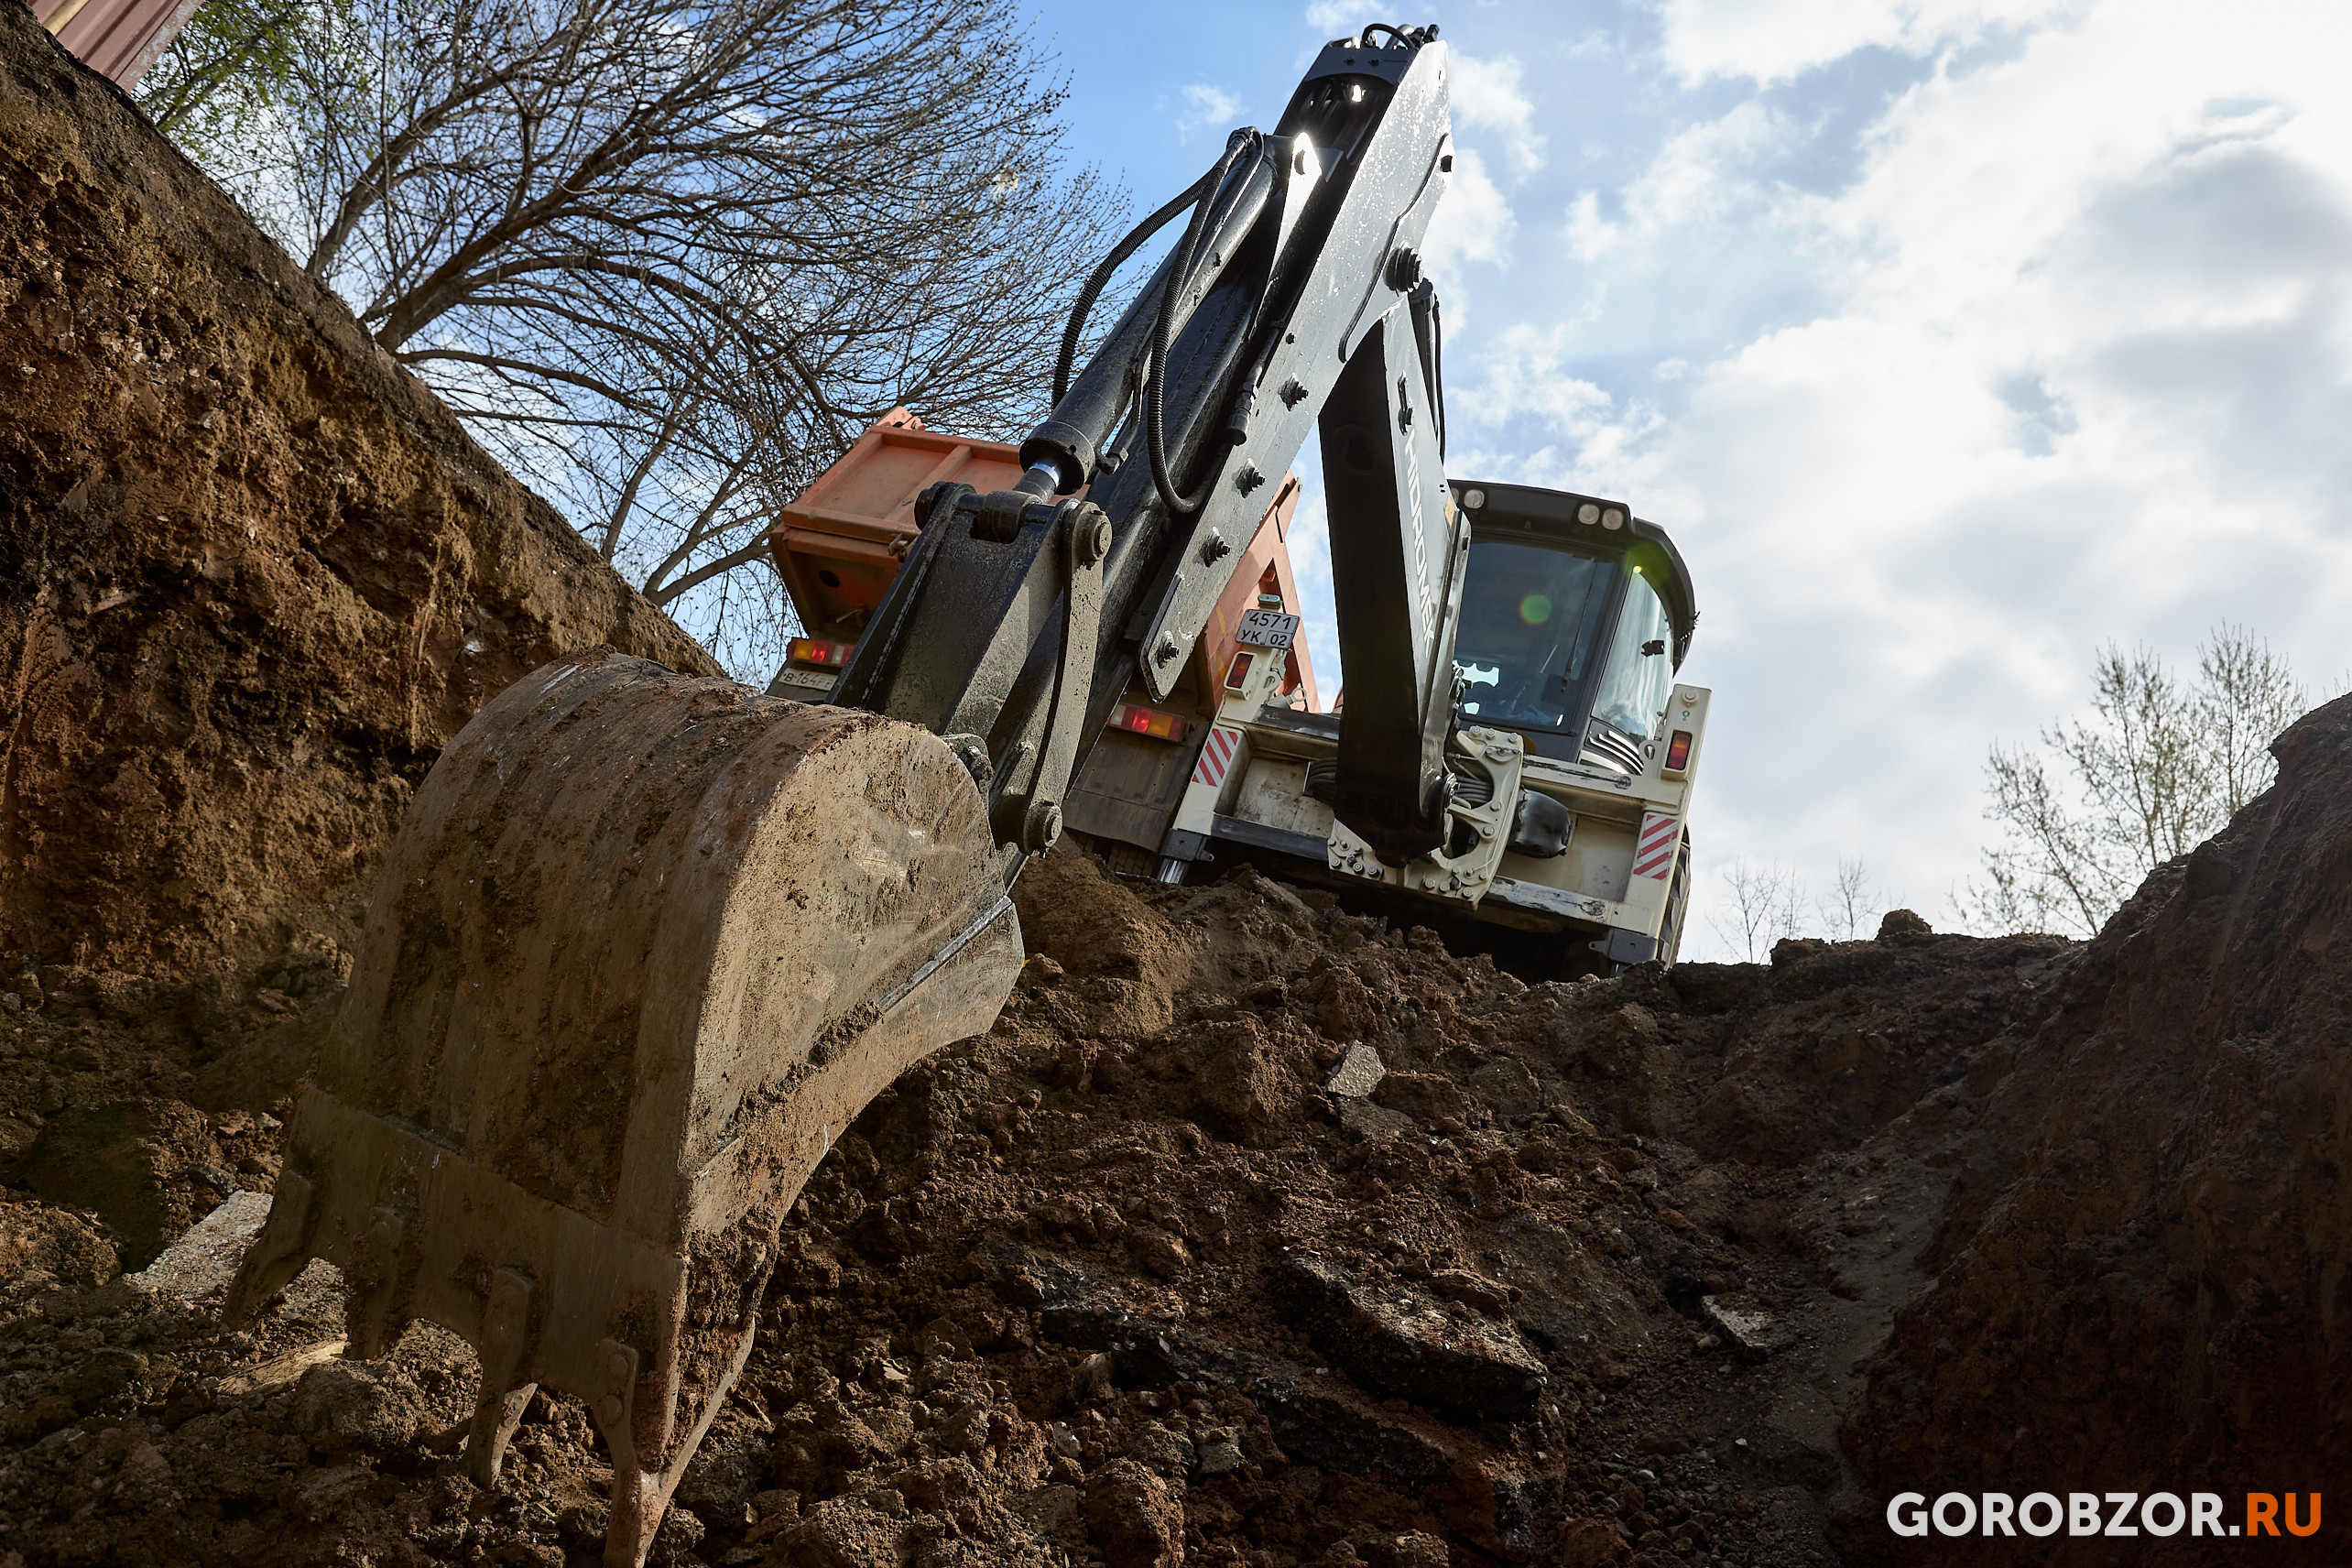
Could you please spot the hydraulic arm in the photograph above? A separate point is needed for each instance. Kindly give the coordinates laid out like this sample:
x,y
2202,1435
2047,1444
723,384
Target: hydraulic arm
x,y
1295,295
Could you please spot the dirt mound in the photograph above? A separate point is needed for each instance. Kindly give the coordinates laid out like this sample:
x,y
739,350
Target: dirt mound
x,y
252,575
1256,1231
2142,1271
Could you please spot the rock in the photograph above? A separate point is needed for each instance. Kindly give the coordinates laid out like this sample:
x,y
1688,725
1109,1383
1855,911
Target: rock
x,y
1358,1074
205,1259
1753,1335
1219,1455
1424,1097
1090,1378
1162,1452
1398,1340
1902,922
1156,1249
1589,1543
1418,1549
1241,1090
1508,1087
845,1532
1368,1122
129,1161
42,1248
102,1375
1475,1290
341,1407
1137,1521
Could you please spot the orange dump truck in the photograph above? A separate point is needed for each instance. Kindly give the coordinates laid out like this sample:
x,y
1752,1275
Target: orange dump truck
x,y
839,544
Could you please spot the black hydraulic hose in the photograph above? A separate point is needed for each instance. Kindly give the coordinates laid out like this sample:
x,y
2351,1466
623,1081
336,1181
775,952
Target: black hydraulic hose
x,y
1155,438
1101,278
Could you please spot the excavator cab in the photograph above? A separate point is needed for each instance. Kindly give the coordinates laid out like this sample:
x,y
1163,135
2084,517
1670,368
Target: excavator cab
x,y
1571,632
1571,755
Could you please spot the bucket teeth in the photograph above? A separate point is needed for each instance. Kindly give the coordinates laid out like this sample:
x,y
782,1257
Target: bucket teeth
x,y
645,946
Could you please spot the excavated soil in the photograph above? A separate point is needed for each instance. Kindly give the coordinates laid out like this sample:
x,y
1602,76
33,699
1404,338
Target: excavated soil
x,y
1256,1231
253,576
1583,1275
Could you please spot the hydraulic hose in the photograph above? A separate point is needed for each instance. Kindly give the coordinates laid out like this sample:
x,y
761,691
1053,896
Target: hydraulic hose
x,y
1155,438
1101,278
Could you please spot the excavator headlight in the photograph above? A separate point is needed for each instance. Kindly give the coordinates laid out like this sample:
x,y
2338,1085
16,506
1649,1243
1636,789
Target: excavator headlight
x,y
1588,514
819,652
1151,722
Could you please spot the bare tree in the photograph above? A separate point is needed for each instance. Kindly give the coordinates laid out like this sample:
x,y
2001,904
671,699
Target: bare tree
x,y
2159,769
1764,905
1848,907
667,257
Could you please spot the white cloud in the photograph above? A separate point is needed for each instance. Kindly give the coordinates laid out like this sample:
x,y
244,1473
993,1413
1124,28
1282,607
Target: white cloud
x,y
1474,224
1704,176
2071,362
1335,19
1206,108
1774,40
1486,97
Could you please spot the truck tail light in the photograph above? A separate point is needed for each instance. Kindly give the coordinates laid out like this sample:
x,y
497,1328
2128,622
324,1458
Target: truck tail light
x,y
1237,672
1146,721
819,652
1678,751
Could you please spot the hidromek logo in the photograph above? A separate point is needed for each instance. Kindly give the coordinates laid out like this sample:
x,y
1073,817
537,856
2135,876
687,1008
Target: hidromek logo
x,y
2094,1513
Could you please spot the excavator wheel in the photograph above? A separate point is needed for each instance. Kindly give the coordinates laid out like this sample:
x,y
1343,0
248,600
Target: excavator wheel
x,y
646,945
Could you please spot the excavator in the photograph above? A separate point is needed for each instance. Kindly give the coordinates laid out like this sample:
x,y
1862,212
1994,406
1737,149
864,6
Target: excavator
x,y
646,945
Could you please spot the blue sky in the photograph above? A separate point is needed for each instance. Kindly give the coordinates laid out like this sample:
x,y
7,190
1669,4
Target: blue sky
x,y
1951,338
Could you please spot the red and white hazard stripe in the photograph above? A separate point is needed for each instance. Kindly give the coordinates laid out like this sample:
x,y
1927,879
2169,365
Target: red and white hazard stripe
x,y
1216,756
1653,852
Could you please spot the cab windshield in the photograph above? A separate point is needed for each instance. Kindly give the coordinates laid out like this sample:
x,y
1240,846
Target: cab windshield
x,y
1532,623
1633,686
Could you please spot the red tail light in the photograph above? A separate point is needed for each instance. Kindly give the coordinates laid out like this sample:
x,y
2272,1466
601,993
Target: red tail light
x,y
1678,751
1148,721
1237,672
819,652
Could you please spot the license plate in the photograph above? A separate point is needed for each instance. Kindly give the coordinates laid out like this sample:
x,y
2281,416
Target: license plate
x,y
1267,628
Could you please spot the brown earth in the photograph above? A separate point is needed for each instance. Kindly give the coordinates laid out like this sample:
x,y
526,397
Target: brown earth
x,y
252,574
1687,1266
1121,1278
2142,1276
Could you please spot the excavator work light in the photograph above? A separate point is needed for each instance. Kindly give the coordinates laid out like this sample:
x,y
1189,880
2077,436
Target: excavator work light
x,y
1147,721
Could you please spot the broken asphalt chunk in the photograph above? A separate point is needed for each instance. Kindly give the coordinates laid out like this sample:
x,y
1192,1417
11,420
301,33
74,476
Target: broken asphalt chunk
x,y
1752,1335
1406,1344
1358,1074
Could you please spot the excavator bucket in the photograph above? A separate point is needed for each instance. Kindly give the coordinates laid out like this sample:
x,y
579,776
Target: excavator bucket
x,y
646,945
